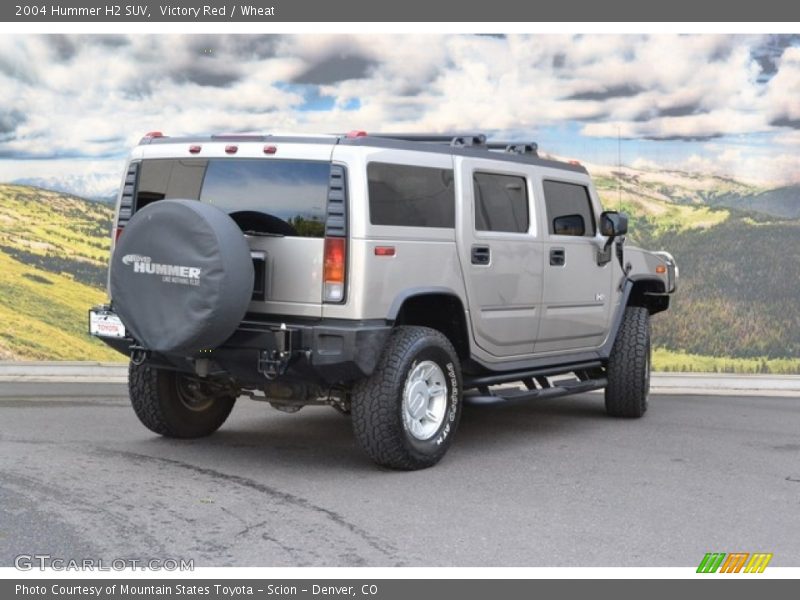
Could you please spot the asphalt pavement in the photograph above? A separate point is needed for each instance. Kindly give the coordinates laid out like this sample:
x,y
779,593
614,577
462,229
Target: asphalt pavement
x,y
544,483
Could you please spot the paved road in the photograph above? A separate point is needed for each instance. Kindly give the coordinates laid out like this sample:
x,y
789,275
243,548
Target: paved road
x,y
548,483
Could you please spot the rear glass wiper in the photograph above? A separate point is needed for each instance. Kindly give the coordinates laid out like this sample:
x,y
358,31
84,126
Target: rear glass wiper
x,y
262,233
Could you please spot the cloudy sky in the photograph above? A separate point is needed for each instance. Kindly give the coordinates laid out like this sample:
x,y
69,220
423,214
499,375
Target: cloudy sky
x,y
74,105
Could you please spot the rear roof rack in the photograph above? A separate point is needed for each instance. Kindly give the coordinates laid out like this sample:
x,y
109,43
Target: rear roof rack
x,y
531,148
455,140
467,144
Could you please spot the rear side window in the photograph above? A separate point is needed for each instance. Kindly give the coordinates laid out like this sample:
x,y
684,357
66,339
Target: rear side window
x,y
501,203
569,209
411,196
283,197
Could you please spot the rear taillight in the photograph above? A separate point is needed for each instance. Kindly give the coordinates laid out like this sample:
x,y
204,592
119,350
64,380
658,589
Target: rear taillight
x,y
333,276
117,233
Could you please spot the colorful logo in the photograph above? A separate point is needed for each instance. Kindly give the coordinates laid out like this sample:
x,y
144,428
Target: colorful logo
x,y
735,562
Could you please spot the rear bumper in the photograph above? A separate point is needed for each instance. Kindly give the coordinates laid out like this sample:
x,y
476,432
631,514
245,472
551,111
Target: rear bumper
x,y
327,352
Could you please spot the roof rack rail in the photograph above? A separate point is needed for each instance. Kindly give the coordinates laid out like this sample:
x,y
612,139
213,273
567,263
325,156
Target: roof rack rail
x,y
447,138
515,147
477,141
462,141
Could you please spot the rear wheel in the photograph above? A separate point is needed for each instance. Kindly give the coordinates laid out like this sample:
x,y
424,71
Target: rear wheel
x,y
406,413
176,405
629,366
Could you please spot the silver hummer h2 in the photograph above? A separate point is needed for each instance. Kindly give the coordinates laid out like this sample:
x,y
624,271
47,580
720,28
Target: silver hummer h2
x,y
388,276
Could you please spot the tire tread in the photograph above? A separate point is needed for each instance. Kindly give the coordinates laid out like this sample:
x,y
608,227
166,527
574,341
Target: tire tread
x,y
626,393
157,405
377,422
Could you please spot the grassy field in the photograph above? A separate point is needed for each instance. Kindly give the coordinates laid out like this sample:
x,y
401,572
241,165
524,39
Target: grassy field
x,y
53,253
736,310
43,315
682,362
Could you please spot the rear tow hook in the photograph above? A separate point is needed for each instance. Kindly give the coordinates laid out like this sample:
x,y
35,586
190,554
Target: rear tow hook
x,y
139,355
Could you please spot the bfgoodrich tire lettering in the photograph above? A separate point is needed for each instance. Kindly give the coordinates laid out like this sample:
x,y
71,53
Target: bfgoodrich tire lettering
x,y
377,405
174,405
629,366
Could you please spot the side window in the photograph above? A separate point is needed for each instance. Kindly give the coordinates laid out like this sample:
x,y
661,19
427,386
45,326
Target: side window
x,y
411,196
569,209
501,203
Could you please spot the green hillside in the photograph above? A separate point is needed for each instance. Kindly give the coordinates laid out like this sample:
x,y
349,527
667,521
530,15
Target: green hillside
x,y
781,202
53,254
739,271
737,300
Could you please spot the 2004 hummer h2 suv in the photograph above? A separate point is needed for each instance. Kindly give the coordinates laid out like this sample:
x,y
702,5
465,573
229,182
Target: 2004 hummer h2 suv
x,y
383,275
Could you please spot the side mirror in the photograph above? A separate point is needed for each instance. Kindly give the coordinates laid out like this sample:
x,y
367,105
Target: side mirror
x,y
613,223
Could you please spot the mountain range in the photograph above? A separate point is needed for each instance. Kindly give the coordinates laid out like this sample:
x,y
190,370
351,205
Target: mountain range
x,y
737,246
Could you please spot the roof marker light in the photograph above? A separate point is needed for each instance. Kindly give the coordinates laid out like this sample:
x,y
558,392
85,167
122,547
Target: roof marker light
x,y
356,133
231,149
195,149
270,149
153,134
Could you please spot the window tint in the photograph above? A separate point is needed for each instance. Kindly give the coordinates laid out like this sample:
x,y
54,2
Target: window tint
x,y
568,200
411,196
169,178
285,197
501,203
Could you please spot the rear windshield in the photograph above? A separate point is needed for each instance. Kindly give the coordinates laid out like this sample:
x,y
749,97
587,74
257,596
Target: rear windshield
x,y
277,197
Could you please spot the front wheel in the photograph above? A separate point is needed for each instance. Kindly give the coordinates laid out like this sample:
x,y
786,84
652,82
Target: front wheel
x,y
176,405
406,413
629,366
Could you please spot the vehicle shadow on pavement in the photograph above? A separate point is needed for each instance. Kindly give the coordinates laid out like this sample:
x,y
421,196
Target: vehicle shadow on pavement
x,y
517,420
319,439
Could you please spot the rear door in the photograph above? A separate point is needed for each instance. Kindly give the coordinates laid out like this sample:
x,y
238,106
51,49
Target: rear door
x,y
279,203
501,255
576,303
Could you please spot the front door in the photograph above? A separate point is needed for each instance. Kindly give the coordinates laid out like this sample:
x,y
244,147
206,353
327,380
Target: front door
x,y
576,304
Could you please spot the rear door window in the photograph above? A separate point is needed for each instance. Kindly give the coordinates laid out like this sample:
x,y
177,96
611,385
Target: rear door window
x,y
501,203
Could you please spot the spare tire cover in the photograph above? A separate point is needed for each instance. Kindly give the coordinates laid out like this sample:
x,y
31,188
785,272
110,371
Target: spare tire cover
x,y
181,276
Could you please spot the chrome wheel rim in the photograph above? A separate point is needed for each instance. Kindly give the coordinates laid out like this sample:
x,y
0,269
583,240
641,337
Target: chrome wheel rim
x,y
424,400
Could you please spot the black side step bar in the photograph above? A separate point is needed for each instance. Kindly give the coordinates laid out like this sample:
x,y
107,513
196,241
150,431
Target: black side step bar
x,y
559,388
510,376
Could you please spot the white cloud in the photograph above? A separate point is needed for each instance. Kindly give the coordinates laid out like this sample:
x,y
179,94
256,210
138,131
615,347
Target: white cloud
x,y
751,165
94,96
86,178
783,95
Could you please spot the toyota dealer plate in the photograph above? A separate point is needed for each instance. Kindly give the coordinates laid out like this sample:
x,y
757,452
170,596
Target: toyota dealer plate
x,y
105,324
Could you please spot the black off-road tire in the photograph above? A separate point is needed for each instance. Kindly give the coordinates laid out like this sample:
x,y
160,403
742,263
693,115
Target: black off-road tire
x,y
159,398
629,366
377,405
